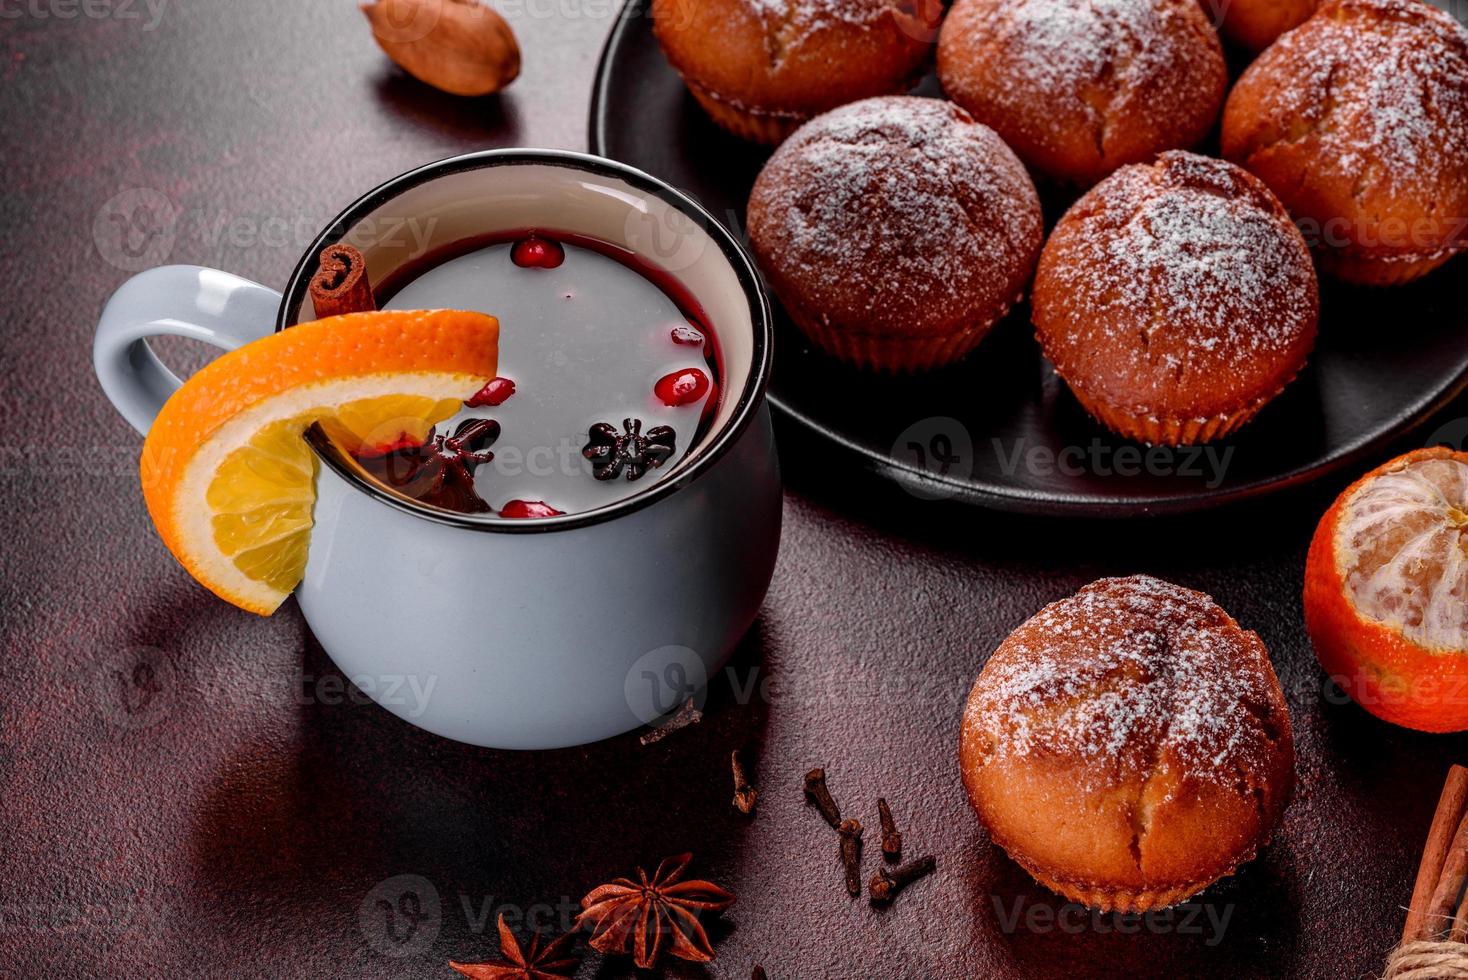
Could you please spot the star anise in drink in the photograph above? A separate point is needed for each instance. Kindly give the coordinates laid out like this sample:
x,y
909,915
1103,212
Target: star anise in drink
x,y
440,471
537,962
611,451
653,914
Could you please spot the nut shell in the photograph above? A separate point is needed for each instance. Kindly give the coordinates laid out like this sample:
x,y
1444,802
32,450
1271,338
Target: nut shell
x,y
460,46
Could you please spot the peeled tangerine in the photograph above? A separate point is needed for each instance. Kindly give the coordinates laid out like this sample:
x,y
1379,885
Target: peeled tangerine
x,y
1386,591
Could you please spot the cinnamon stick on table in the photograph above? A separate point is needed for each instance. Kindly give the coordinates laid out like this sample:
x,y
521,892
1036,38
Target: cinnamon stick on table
x,y
1440,915
341,284
1434,899
1460,925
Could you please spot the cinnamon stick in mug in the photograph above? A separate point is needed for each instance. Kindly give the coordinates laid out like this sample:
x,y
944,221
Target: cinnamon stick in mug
x,y
341,284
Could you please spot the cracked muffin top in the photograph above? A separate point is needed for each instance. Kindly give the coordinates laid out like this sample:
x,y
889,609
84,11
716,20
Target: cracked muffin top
x,y
762,67
895,231
1129,744
1358,120
1081,88
896,214
1179,289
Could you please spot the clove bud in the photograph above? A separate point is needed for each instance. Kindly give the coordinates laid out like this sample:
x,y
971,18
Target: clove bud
x,y
744,794
850,831
460,46
886,883
817,792
891,836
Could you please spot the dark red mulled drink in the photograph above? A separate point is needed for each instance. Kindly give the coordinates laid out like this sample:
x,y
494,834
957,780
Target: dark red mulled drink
x,y
609,373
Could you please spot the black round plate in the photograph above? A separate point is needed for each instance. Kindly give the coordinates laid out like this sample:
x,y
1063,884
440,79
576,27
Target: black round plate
x,y
1000,429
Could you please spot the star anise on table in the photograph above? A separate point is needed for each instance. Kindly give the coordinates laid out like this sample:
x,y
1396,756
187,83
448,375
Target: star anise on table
x,y
548,962
611,451
440,471
653,914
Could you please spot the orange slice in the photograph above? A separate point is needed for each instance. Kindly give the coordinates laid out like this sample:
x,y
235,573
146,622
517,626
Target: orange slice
x,y
1386,591
228,478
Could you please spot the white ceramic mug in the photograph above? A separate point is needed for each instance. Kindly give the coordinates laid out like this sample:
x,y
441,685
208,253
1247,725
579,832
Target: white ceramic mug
x,y
530,633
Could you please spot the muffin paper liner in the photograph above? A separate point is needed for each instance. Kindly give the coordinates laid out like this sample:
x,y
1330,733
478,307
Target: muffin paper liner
x,y
759,127
1366,270
1122,899
1157,431
896,354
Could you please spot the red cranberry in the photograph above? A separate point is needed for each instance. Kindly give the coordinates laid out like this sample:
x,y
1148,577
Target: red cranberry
x,y
681,387
537,253
529,508
686,334
494,393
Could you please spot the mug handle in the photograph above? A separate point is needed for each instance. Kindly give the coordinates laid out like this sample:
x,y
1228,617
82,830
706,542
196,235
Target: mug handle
x,y
178,300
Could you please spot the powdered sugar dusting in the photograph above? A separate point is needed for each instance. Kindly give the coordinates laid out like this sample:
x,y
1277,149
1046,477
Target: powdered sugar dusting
x,y
1401,553
1185,268
892,203
1129,76
1131,675
1384,84
1059,45
796,20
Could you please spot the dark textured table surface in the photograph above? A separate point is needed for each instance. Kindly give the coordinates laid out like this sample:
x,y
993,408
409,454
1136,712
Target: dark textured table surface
x,y
186,789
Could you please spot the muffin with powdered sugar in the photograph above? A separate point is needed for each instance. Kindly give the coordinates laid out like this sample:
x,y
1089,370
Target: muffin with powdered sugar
x,y
896,231
761,68
1129,745
1079,89
1255,24
1358,120
1176,300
